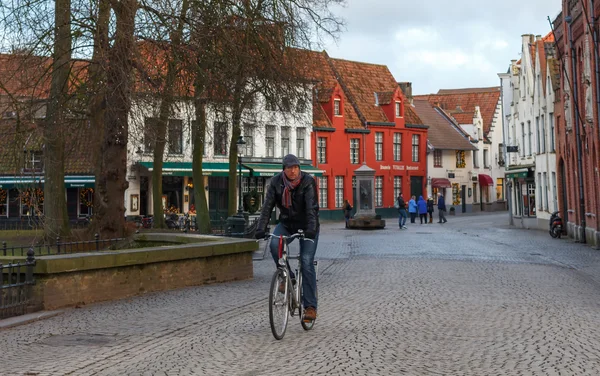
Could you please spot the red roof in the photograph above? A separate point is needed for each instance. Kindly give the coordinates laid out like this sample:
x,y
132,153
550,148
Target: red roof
x,y
441,133
461,103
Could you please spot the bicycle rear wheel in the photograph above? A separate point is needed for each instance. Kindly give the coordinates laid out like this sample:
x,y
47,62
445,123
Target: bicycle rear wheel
x,y
278,304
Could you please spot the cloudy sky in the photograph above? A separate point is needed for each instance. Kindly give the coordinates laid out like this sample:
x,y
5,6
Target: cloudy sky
x,y
441,44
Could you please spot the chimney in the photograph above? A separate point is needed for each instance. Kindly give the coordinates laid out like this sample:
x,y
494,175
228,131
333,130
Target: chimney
x,y
406,88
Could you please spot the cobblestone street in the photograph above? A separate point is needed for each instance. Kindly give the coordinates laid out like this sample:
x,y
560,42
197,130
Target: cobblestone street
x,y
470,297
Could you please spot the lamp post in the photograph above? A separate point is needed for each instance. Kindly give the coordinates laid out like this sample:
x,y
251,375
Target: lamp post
x,y
240,144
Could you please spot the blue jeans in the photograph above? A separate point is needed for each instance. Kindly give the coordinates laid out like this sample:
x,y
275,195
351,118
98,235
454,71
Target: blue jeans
x,y
402,217
307,257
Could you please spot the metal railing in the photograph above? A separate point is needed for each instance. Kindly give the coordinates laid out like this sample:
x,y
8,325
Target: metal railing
x,y
60,247
16,280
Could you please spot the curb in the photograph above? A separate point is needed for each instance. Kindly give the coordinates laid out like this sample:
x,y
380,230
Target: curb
x,y
28,318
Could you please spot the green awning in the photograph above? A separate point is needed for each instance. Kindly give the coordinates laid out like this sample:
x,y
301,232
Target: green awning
x,y
71,181
185,168
272,169
516,174
222,169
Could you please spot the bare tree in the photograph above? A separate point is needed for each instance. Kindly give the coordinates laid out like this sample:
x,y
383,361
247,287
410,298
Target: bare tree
x,y
55,208
111,180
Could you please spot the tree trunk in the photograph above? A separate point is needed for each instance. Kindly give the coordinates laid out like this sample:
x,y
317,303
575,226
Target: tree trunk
x,y
163,118
55,205
98,92
112,182
233,160
202,214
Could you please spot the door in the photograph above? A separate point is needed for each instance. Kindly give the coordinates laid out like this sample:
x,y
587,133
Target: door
x,y
463,198
416,186
217,197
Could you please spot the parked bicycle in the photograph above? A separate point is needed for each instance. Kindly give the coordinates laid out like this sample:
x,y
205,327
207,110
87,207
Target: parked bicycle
x,y
285,297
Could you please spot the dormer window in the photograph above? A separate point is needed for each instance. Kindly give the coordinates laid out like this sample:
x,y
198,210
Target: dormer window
x,y
398,109
336,108
33,162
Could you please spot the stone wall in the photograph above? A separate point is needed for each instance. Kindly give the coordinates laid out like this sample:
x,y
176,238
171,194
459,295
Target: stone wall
x,y
78,279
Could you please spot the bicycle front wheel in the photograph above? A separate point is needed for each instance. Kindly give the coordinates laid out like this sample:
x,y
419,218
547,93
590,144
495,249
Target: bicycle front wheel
x,y
278,304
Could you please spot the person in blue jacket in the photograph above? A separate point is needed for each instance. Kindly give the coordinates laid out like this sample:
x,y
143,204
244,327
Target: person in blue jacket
x,y
422,207
412,209
442,208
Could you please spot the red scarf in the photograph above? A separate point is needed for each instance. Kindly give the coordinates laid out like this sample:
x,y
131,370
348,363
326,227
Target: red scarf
x,y
289,185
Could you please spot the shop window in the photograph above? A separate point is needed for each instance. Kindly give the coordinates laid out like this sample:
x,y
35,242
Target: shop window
x,y
378,190
528,199
322,191
500,189
32,202
397,186
3,202
339,191
455,194
86,201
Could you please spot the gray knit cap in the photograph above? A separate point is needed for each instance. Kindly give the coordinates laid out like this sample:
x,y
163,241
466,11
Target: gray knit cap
x,y
290,160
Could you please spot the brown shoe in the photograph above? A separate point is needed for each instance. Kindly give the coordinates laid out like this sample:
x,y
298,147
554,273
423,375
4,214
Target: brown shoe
x,y
310,314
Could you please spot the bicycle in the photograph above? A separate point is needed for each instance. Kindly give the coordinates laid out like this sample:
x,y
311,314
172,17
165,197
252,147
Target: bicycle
x,y
288,302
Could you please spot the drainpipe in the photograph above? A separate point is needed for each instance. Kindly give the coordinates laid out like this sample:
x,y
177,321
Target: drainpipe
x,y
505,156
596,62
576,116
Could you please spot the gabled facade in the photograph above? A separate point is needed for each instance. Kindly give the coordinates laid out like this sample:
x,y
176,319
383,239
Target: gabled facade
x,y
363,118
576,118
450,158
529,131
478,112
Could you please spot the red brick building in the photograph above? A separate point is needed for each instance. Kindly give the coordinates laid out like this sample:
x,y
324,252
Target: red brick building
x,y
361,116
577,136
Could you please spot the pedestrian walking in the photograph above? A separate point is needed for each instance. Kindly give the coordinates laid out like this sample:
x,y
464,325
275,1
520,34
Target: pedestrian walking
x,y
442,208
402,215
347,211
430,205
422,208
412,209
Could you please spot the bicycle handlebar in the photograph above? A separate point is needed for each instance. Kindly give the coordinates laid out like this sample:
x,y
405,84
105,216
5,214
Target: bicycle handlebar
x,y
300,235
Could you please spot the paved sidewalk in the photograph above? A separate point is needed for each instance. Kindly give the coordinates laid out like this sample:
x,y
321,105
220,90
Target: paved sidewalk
x,y
469,297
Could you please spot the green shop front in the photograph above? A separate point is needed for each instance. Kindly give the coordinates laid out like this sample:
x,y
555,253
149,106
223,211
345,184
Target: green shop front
x,y
22,197
178,186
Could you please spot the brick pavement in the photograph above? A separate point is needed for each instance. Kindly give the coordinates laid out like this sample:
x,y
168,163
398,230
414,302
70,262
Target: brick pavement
x,y
471,297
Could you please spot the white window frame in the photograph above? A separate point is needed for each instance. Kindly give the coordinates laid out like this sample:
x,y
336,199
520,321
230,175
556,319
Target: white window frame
x,y
337,109
379,191
397,147
354,151
322,191
339,191
379,146
322,149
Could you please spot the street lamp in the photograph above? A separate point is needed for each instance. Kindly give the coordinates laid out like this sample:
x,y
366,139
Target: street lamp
x,y
240,145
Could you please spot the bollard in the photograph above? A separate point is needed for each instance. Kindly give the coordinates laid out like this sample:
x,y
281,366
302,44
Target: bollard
x,y
58,244
97,237
4,248
30,265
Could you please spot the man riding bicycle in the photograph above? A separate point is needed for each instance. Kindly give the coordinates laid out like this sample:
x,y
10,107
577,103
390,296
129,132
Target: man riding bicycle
x,y
295,194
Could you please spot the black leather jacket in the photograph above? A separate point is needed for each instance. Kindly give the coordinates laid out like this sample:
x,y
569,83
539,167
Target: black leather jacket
x,y
304,211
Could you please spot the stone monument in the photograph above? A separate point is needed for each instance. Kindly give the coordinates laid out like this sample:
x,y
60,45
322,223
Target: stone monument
x,y
365,217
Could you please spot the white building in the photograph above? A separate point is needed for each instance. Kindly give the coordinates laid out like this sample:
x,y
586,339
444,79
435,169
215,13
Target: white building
x,y
529,133
478,112
270,132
